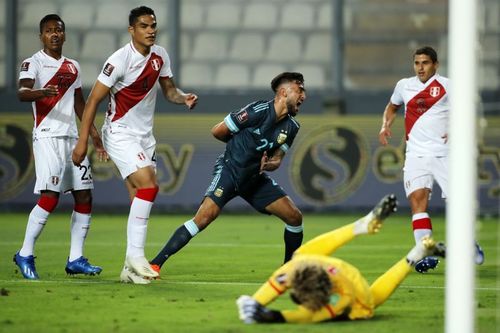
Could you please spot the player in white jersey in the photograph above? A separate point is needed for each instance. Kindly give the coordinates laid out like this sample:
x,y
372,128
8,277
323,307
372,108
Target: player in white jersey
x,y
52,83
427,107
131,77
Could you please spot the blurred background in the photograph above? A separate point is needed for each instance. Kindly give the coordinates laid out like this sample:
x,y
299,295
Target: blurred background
x,y
351,53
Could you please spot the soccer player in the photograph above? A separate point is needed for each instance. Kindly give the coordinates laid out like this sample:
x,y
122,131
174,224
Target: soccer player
x,y
257,138
427,107
52,83
130,76
327,288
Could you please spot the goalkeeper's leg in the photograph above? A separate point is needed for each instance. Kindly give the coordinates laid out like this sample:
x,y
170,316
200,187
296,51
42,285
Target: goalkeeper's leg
x,y
386,284
327,243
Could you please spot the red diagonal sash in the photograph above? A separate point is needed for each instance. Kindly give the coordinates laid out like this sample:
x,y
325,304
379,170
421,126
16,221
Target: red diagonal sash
x,y
63,79
131,95
422,102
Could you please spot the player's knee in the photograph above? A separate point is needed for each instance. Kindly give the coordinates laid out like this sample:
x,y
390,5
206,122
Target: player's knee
x,y
148,194
83,197
294,218
48,202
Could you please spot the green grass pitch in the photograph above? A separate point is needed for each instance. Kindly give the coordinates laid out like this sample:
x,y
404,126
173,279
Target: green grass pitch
x,y
200,284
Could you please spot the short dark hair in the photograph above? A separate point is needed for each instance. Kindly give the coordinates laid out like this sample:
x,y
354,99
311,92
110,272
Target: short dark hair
x,y
286,77
427,50
51,17
139,11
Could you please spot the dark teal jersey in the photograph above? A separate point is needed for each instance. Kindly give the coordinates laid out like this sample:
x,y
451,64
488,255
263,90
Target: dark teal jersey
x,y
256,131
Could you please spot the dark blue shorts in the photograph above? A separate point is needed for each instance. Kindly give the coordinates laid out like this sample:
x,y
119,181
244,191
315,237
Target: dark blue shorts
x,y
259,190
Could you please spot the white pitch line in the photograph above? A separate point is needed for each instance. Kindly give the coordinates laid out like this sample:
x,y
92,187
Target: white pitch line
x,y
195,244
215,283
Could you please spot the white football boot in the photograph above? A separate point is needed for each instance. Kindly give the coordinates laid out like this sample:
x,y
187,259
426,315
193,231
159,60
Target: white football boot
x,y
141,266
129,276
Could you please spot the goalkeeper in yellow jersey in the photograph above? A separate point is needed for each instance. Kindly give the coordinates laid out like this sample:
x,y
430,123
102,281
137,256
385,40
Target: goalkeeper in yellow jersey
x,y
326,288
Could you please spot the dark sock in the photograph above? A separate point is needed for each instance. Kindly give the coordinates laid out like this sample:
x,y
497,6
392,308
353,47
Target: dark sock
x,y
180,238
293,240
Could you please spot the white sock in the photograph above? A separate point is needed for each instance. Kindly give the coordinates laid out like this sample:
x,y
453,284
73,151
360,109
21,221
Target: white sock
x,y
36,221
361,225
137,227
80,224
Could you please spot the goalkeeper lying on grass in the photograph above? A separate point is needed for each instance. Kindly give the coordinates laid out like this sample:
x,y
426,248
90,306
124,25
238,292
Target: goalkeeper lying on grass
x,y
326,287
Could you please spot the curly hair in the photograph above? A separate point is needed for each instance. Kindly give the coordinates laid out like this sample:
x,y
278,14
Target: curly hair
x,y
311,286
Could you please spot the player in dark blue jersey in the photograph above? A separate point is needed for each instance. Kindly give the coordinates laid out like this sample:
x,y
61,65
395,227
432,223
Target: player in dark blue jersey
x,y
257,138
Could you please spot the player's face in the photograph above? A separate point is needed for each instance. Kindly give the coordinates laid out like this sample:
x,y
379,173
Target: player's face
x,y
424,67
53,37
144,32
295,96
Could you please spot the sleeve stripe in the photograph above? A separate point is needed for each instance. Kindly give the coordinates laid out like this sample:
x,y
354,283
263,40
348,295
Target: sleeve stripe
x,y
275,288
284,147
230,124
330,309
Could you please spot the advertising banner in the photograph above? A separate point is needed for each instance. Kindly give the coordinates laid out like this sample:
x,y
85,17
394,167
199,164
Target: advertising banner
x,y
335,163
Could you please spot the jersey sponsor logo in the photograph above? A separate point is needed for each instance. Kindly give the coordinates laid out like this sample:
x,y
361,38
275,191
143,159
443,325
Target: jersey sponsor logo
x,y
108,69
155,63
25,66
71,68
282,138
242,116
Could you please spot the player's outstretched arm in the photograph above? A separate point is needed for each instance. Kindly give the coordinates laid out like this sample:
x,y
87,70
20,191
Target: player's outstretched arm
x,y
176,95
99,91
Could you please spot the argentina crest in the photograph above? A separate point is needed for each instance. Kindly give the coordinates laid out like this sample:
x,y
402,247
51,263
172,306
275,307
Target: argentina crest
x,y
282,138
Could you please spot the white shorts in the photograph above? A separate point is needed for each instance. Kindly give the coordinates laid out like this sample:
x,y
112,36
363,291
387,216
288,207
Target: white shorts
x,y
128,151
54,168
421,172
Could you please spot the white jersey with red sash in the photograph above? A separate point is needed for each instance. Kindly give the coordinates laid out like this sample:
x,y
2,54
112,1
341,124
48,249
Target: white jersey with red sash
x,y
133,79
53,116
426,114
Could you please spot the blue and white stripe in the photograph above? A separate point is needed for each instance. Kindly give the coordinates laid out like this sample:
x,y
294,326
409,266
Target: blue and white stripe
x,y
230,124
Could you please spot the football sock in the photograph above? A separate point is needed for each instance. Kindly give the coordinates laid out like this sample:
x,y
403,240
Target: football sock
x,y
138,218
179,239
36,221
385,285
80,224
422,226
361,225
327,243
293,239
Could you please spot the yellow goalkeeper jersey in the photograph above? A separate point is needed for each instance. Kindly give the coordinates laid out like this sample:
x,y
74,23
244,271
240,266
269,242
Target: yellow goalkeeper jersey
x,y
350,294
